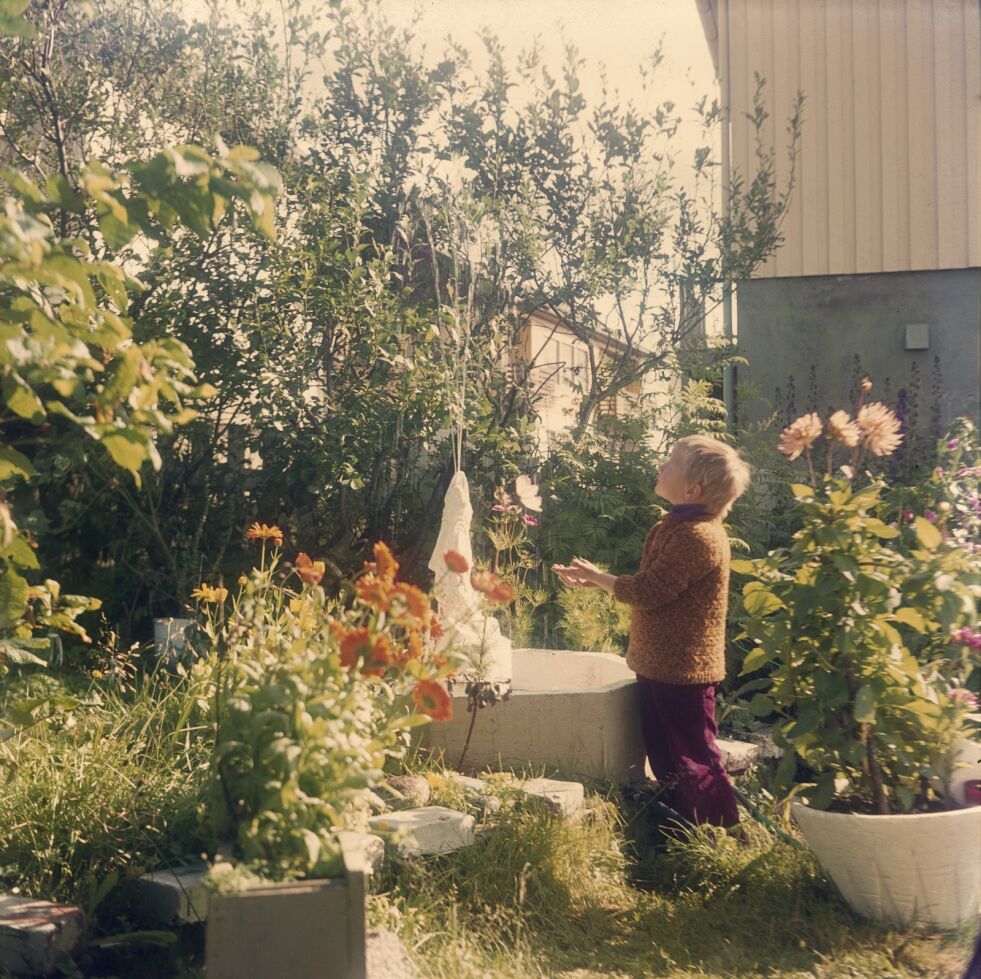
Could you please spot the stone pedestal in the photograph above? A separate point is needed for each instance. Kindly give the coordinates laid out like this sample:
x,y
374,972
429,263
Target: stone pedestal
x,y
35,934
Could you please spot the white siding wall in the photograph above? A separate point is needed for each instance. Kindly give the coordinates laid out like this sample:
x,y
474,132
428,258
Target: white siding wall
x,y
889,174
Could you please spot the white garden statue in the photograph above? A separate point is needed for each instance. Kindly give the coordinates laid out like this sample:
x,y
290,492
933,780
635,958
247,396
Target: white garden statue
x,y
476,634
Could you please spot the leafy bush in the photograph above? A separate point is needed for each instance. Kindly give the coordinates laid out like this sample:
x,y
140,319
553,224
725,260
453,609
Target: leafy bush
x,y
594,620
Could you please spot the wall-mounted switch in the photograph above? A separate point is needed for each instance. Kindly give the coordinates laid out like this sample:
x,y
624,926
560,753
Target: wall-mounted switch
x,y
917,336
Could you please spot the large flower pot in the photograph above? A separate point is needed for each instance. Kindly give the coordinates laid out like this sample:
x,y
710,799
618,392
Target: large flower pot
x,y
923,868
305,929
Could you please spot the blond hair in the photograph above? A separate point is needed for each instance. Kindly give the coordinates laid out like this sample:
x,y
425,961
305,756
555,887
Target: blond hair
x,y
717,467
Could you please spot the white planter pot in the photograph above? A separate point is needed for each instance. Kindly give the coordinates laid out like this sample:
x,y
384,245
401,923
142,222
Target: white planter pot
x,y
901,869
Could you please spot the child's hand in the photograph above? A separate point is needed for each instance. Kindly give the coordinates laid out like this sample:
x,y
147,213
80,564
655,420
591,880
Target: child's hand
x,y
570,578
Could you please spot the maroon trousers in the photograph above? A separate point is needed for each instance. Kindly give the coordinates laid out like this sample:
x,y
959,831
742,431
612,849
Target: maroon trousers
x,y
679,728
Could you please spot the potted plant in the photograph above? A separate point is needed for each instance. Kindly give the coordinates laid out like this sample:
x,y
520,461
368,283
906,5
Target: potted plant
x,y
311,696
859,626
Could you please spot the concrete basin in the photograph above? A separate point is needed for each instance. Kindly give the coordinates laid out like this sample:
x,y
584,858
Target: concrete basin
x,y
569,711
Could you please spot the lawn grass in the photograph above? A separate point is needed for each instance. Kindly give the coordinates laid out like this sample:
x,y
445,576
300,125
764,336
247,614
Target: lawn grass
x,y
540,896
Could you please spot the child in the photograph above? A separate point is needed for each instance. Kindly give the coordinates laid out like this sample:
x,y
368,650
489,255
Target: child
x,y
677,628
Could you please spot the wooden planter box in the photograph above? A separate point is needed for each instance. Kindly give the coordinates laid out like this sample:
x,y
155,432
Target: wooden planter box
x,y
307,929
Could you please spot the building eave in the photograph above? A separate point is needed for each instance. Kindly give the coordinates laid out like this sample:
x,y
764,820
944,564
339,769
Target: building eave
x,y
708,11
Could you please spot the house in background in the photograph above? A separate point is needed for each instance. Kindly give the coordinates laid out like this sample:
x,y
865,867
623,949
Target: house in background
x,y
882,252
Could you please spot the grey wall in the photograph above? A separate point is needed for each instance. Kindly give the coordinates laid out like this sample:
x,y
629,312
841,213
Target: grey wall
x,y
788,325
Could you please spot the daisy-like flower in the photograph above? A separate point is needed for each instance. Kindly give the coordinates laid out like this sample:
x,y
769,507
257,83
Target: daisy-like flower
x,y
432,699
800,436
312,572
456,562
355,645
529,520
261,531
527,493
209,595
416,611
374,592
842,429
880,429
493,588
379,656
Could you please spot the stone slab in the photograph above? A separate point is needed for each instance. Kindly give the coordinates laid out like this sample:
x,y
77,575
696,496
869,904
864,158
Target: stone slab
x,y
560,798
387,957
35,934
404,791
737,756
427,831
478,793
371,846
173,897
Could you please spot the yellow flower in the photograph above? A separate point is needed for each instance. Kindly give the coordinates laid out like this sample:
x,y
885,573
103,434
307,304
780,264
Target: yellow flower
x,y
800,436
209,595
261,531
243,580
843,429
880,429
296,605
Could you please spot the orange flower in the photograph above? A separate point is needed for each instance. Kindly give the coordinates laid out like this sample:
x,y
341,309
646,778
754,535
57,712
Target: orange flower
x,y
354,645
502,593
312,572
436,630
387,565
494,589
261,531
416,604
431,698
455,561
373,592
378,657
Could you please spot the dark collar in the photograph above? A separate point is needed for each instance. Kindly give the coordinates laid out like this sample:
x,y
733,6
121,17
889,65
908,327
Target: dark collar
x,y
688,511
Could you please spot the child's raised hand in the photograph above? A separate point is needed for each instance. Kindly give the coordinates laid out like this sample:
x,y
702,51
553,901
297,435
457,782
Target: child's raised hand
x,y
570,578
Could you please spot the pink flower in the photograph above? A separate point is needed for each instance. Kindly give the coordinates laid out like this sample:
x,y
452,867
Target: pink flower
x,y
967,636
908,516
930,515
529,520
960,695
953,444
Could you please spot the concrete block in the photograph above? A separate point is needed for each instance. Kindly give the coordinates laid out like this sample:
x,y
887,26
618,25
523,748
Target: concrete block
x,y
35,934
428,831
387,957
371,847
560,798
763,740
173,897
478,793
737,756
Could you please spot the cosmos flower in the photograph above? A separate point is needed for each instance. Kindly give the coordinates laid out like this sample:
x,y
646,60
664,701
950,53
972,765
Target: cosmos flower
x,y
800,435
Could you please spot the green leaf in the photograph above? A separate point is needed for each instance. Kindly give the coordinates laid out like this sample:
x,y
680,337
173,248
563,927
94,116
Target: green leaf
x,y
881,529
127,449
865,702
741,566
117,233
13,598
927,533
758,601
801,490
755,658
21,553
11,22
13,463
761,705
21,399
912,618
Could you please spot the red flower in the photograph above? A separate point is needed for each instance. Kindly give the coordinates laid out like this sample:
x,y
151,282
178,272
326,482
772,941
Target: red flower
x,y
373,592
312,572
378,657
493,588
432,699
455,561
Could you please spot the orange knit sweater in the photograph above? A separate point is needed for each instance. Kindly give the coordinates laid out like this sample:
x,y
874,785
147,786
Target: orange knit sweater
x,y
678,599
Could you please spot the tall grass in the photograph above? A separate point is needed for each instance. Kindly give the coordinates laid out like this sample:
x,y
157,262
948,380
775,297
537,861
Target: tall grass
x,y
101,792
540,896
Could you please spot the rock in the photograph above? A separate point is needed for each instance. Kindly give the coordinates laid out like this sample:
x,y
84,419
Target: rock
x,y
405,791
34,934
387,957
478,793
737,756
560,798
173,897
424,832
767,746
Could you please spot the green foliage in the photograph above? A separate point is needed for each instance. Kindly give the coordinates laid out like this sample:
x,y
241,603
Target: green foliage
x,y
311,699
853,622
592,619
